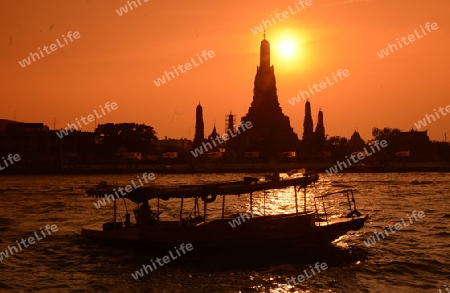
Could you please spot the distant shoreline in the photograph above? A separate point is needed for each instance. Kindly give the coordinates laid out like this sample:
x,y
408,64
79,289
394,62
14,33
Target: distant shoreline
x,y
396,167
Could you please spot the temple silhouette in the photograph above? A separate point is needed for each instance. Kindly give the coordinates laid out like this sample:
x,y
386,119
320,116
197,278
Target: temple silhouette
x,y
199,136
271,138
272,133
313,142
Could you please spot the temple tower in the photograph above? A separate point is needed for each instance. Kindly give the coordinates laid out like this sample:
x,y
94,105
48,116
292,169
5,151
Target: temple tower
x,y
199,136
271,133
320,127
308,133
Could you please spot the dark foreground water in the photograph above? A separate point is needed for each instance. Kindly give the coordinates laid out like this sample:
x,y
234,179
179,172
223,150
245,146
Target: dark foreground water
x,y
415,259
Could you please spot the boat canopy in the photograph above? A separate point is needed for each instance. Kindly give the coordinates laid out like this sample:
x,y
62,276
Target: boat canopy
x,y
208,192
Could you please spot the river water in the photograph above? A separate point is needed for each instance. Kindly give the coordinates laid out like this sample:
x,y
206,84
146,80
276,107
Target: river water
x,y
414,259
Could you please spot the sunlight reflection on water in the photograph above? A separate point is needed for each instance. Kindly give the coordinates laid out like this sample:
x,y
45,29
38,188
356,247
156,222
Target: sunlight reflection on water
x,y
414,259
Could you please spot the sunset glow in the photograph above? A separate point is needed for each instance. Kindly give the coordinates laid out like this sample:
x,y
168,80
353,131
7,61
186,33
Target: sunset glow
x,y
287,48
270,138
76,75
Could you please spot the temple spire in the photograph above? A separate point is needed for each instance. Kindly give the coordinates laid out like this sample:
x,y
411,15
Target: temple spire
x,y
271,133
308,132
320,130
199,135
264,61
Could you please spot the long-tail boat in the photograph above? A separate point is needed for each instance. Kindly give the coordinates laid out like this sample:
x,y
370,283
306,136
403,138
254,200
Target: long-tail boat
x,y
306,227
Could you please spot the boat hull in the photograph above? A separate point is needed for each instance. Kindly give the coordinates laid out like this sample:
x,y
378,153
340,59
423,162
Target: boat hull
x,y
271,232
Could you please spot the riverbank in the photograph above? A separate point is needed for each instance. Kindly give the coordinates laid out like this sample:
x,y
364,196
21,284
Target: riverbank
x,y
229,168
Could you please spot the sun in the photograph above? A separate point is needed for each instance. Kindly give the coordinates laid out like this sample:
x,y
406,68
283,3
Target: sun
x,y
287,48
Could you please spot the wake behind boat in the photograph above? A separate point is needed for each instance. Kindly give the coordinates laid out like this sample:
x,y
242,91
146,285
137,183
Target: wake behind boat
x,y
302,228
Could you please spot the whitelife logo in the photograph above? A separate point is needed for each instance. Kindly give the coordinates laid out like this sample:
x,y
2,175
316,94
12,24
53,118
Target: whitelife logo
x,y
237,221
319,267
90,118
128,189
124,9
187,67
285,14
323,85
446,288
422,123
53,48
31,240
360,156
165,260
397,226
12,159
411,38
199,150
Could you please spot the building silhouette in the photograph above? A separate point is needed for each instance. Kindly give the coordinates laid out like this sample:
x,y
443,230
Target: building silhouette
x,y
230,121
40,148
213,134
356,143
199,136
319,134
308,133
271,133
313,142
416,142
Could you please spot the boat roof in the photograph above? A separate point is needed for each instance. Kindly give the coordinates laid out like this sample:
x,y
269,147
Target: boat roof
x,y
248,185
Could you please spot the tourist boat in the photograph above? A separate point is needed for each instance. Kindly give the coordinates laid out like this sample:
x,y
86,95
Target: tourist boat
x,y
303,227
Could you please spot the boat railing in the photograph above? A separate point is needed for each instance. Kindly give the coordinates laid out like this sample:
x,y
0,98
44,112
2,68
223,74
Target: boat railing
x,y
351,205
207,192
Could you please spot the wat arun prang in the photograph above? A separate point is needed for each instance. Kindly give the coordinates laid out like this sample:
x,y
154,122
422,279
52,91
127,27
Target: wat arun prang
x,y
272,133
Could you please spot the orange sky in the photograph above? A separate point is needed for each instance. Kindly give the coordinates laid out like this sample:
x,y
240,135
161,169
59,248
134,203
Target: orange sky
x,y
117,58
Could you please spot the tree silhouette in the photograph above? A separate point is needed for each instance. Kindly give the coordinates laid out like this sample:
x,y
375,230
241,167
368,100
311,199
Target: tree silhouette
x,y
134,137
385,133
338,146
